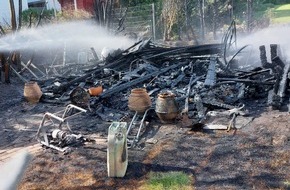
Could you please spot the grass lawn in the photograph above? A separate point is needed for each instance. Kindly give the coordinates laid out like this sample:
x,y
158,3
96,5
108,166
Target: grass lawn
x,y
281,14
168,181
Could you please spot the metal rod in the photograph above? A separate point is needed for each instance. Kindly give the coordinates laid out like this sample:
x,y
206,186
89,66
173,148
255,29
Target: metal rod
x,y
130,126
153,22
141,125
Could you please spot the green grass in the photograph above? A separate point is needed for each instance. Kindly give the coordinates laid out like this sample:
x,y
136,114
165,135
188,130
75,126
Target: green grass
x,y
281,14
168,181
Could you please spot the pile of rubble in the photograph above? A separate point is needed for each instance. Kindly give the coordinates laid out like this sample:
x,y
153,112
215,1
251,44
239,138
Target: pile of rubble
x,y
200,77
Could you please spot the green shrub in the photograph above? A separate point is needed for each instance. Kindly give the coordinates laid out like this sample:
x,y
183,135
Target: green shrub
x,y
32,15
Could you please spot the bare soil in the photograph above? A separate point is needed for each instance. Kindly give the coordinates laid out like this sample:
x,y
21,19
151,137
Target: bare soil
x,y
254,157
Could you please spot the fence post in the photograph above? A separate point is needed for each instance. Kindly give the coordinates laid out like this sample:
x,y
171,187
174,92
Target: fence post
x,y
153,22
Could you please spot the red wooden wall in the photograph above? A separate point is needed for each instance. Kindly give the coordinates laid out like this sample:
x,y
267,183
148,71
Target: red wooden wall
x,y
86,5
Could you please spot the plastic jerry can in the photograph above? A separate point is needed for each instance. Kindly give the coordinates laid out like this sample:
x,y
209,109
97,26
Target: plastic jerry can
x,y
117,156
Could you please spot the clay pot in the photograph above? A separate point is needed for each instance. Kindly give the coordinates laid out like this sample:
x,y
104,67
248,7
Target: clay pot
x,y
95,91
166,107
139,100
32,92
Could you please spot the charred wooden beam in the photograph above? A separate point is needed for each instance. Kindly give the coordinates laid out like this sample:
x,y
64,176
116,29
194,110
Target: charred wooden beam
x,y
207,49
254,73
248,81
283,81
274,100
18,75
127,85
277,61
26,67
177,80
263,57
199,106
273,50
211,73
213,102
191,82
278,72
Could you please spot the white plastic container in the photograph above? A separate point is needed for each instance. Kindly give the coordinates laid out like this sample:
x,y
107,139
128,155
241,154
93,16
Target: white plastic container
x,y
117,154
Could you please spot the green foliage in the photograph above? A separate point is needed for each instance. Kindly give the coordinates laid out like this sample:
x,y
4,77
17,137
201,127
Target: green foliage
x,y
277,2
32,14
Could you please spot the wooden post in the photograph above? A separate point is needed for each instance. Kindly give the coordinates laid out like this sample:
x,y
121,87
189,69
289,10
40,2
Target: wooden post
x,y
13,16
5,69
15,59
20,14
2,66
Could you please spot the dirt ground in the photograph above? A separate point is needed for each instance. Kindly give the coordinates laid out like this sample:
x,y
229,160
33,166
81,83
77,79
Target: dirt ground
x,y
254,157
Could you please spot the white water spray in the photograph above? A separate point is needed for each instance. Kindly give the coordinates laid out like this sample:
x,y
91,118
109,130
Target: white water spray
x,y
272,35
76,35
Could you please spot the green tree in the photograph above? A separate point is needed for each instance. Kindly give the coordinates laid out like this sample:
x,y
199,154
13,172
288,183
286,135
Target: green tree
x,y
170,13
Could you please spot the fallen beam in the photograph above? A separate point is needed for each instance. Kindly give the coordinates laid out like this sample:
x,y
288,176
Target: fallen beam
x,y
122,87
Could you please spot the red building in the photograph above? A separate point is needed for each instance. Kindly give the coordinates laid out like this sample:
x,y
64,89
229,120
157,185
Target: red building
x,y
86,5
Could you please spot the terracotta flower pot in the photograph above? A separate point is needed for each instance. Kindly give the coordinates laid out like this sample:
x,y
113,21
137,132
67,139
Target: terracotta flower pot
x,y
95,91
166,107
139,100
32,92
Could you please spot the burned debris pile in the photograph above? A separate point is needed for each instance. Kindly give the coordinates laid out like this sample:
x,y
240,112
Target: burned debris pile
x,y
196,76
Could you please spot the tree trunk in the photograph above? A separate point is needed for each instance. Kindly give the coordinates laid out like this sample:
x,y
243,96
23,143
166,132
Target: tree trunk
x,y
215,15
5,70
249,15
201,13
13,16
20,15
103,12
186,19
109,13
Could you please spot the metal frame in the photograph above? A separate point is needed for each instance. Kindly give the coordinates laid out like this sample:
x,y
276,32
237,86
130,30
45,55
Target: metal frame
x,y
134,139
48,120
